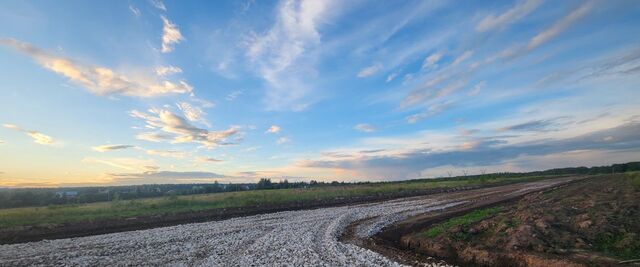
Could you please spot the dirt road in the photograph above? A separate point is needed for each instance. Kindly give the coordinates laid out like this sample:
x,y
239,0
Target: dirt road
x,y
295,238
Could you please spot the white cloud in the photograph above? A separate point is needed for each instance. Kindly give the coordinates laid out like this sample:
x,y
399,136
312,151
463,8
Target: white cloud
x,y
153,137
180,130
476,89
105,148
202,102
510,16
364,127
233,95
168,153
429,112
274,129
134,10
130,164
467,54
392,76
158,4
283,140
192,113
431,60
37,137
560,26
277,53
100,80
207,160
170,35
369,71
167,70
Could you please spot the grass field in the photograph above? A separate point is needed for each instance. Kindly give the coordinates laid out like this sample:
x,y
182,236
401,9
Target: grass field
x,y
58,214
464,220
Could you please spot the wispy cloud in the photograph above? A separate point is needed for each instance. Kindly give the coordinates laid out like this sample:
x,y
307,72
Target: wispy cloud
x,y
488,152
97,79
560,25
429,112
364,127
277,52
154,137
432,60
283,140
515,13
274,129
134,10
392,76
233,95
167,70
536,125
37,137
168,153
170,35
105,148
477,88
192,113
464,56
207,160
180,129
158,4
168,177
370,71
130,164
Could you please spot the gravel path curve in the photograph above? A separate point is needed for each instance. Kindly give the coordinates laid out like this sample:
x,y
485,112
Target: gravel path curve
x,y
292,238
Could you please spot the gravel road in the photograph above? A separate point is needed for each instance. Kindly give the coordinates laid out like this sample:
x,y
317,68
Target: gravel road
x,y
292,238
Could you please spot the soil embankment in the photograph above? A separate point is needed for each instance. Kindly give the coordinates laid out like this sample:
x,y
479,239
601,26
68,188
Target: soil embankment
x,y
593,222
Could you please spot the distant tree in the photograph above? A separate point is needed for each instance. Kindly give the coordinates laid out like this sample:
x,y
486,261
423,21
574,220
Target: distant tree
x,y
264,183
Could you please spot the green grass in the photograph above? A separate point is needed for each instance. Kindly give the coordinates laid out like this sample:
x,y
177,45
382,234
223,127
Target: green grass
x,y
625,246
464,221
634,178
52,215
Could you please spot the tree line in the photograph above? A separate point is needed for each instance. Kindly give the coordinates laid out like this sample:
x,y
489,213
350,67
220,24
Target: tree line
x,y
28,197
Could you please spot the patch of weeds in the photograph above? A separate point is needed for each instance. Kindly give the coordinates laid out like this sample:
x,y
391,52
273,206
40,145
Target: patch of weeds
x,y
464,221
464,236
622,245
634,178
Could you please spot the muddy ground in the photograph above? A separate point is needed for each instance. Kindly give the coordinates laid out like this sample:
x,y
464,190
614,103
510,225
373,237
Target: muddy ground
x,y
593,222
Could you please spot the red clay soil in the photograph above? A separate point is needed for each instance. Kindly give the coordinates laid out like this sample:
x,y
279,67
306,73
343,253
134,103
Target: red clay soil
x,y
594,222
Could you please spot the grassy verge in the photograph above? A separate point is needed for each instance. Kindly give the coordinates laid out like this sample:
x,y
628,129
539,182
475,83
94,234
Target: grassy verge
x,y
463,221
59,214
634,178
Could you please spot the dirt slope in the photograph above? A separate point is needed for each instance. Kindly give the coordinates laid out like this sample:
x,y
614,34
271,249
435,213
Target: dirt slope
x,y
591,223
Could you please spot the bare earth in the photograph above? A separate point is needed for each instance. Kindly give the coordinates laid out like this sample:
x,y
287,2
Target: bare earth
x,y
295,238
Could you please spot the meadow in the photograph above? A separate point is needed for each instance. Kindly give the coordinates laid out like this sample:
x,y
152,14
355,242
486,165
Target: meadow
x,y
58,214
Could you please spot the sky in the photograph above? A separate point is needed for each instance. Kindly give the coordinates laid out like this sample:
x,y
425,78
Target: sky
x,y
140,92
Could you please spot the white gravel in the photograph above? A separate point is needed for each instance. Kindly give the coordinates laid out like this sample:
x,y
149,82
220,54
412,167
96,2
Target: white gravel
x,y
292,238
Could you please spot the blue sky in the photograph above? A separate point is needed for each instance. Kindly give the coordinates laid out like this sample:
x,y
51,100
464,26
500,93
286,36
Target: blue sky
x,y
131,92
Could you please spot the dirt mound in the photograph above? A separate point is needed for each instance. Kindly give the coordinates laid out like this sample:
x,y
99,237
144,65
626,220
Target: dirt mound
x,y
594,222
